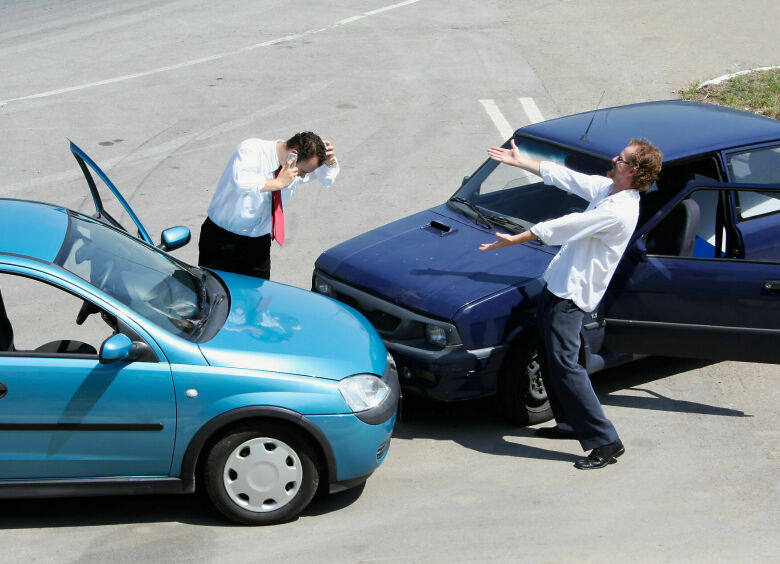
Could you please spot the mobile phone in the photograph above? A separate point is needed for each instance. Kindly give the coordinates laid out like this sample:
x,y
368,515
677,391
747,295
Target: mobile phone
x,y
292,158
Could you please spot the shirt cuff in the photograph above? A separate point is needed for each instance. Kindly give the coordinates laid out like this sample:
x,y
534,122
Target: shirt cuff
x,y
541,231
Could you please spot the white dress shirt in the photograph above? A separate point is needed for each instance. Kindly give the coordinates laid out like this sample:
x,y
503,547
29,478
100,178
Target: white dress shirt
x,y
593,240
239,204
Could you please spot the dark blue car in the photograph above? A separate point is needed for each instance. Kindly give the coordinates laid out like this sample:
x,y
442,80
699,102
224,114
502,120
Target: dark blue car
x,y
701,277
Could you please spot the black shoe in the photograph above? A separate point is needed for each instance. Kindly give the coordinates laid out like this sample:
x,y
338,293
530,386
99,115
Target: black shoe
x,y
554,433
601,456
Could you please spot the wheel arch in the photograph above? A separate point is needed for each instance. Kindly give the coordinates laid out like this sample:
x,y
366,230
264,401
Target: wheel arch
x,y
219,425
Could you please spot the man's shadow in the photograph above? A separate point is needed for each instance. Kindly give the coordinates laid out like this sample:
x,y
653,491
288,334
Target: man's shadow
x,y
476,425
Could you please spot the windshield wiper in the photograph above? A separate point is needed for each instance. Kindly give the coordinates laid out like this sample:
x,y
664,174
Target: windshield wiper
x,y
202,293
473,207
505,222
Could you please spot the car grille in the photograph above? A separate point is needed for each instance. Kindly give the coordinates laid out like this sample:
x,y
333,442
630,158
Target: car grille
x,y
382,450
381,320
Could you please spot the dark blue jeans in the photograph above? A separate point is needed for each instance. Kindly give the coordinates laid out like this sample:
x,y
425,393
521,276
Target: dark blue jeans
x,y
572,399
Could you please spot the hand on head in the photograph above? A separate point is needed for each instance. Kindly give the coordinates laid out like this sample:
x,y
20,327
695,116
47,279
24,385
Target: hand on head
x,y
330,153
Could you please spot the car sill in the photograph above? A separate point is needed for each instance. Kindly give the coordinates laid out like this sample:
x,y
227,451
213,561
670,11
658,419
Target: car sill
x,y
93,487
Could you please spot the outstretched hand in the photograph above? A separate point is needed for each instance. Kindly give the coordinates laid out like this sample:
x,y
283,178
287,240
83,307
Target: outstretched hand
x,y
509,156
503,241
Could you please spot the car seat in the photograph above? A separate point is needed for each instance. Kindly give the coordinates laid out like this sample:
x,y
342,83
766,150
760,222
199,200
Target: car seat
x,y
675,234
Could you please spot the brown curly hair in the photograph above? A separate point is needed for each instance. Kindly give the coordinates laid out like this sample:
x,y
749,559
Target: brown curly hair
x,y
308,145
647,159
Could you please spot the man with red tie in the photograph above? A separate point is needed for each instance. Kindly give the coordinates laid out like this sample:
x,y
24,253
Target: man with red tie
x,y
247,210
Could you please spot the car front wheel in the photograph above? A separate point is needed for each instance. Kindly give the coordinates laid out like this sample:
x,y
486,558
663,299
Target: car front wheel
x,y
522,398
262,475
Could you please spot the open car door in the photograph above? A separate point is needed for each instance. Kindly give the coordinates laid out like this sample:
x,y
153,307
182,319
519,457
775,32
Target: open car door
x,y
172,238
703,278
86,163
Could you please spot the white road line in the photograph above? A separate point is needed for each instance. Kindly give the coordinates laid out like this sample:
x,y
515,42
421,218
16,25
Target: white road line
x,y
207,59
390,7
498,118
531,110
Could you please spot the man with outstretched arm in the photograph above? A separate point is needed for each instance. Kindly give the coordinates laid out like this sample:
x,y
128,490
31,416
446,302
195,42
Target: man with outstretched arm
x,y
592,244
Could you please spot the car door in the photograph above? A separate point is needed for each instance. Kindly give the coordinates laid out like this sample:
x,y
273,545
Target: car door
x,y
109,194
64,414
720,298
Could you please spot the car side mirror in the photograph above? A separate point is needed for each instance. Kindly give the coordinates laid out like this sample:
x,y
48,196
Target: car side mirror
x,y
637,252
121,347
174,238
465,179
116,347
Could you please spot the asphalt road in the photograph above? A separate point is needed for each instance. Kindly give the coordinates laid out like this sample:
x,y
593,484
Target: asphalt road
x,y
411,94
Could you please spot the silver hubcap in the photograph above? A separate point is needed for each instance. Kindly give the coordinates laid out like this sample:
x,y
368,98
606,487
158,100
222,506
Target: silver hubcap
x,y
262,474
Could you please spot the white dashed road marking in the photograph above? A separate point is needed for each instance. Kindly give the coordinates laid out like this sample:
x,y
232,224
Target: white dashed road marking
x,y
504,128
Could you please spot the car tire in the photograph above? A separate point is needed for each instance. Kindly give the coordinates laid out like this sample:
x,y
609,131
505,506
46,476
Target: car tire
x,y
521,396
261,475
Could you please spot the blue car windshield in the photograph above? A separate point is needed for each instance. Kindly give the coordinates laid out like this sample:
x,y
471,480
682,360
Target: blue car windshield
x,y
146,280
515,200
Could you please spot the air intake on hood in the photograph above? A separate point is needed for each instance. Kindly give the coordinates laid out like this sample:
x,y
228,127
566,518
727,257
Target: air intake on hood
x,y
438,228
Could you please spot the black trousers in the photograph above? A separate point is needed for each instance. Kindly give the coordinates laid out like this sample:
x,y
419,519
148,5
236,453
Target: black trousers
x,y
221,249
572,399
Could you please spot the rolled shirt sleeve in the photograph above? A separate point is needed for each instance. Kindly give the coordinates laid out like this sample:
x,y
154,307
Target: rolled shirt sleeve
x,y
586,186
575,226
324,173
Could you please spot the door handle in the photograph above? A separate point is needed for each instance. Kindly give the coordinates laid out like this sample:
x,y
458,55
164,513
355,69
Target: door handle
x,y
772,285
3,390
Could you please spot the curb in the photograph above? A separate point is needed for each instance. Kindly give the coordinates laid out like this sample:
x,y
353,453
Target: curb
x,y
720,79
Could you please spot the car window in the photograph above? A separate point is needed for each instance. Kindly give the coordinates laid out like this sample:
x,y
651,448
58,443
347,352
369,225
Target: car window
x,y
41,318
757,204
150,282
508,192
756,166
698,227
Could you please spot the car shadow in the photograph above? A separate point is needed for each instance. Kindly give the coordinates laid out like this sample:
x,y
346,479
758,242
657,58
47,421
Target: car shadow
x,y
634,375
108,510
476,425
191,509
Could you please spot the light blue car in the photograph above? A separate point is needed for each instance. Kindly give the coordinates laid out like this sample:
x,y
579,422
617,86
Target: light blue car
x,y
124,370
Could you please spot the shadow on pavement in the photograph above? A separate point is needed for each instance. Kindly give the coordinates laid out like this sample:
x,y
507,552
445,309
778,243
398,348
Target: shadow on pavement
x,y
475,424
191,509
633,375
112,510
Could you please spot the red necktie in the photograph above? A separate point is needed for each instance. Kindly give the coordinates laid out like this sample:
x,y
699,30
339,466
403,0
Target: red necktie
x,y
277,214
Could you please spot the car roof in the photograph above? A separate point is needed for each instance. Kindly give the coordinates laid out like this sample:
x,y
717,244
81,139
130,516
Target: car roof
x,y
32,229
680,129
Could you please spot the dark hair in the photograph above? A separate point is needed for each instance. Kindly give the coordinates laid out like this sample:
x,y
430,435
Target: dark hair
x,y
308,145
647,159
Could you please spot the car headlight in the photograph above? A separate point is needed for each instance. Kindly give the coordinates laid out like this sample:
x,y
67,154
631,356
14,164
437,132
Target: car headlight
x,y
322,287
436,335
363,391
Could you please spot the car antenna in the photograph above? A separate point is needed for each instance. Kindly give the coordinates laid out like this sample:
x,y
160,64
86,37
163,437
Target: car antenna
x,y
585,135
